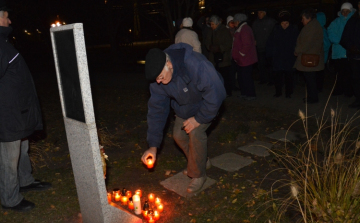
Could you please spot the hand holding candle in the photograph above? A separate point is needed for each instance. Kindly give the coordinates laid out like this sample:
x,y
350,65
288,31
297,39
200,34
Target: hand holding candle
x,y
149,163
148,155
109,195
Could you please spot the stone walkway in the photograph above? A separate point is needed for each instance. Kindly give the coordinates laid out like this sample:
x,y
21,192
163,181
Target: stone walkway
x,y
229,162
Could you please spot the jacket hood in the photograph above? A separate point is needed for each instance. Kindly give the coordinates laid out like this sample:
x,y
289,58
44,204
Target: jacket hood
x,y
321,17
350,14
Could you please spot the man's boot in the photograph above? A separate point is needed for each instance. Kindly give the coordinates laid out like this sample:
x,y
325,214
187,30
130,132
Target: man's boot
x,y
196,184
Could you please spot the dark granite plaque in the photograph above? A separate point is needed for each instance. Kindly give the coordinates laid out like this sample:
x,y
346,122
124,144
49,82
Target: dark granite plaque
x,y
69,74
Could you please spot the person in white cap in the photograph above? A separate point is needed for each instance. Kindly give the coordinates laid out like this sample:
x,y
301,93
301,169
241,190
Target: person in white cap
x,y
230,24
341,62
188,35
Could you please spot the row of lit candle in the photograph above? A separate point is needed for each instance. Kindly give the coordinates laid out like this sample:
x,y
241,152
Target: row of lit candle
x,y
134,203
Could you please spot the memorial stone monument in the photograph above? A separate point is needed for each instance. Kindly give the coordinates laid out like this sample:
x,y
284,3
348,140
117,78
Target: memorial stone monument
x,y
77,107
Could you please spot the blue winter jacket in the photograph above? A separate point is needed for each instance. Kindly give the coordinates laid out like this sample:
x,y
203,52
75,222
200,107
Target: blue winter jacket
x,y
321,17
195,90
335,31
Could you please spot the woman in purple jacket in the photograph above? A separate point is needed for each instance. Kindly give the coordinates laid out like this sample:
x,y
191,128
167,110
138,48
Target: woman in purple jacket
x,y
244,55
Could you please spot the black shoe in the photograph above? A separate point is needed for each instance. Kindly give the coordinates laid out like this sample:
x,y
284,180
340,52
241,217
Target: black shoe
x,y
263,82
355,104
36,185
270,84
277,95
288,96
311,101
23,206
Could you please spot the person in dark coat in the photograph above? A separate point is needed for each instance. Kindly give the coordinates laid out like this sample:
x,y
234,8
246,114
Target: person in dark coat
x,y
219,44
262,28
20,116
280,49
188,82
310,41
350,40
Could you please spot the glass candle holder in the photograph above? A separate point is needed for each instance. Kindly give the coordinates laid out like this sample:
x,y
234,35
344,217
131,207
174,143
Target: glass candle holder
x,y
128,194
157,201
160,207
109,196
151,197
116,194
138,192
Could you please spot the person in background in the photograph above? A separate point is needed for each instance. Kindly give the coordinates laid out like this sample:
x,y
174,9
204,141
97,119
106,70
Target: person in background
x,y
20,116
244,55
350,40
219,45
338,54
262,28
310,41
188,83
204,24
321,17
187,35
230,24
280,49
232,76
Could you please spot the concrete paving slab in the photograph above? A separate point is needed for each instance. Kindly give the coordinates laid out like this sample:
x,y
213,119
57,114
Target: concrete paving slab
x,y
230,162
179,183
285,135
257,148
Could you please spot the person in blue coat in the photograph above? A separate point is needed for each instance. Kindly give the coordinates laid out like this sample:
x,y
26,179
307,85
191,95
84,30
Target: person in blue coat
x,y
341,62
321,17
189,83
280,49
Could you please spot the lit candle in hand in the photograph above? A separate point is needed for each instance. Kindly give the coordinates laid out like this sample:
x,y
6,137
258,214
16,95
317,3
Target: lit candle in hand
x,y
149,163
151,197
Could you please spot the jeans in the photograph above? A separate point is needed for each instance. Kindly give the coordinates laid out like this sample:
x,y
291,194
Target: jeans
x,y
15,171
194,145
310,79
246,81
